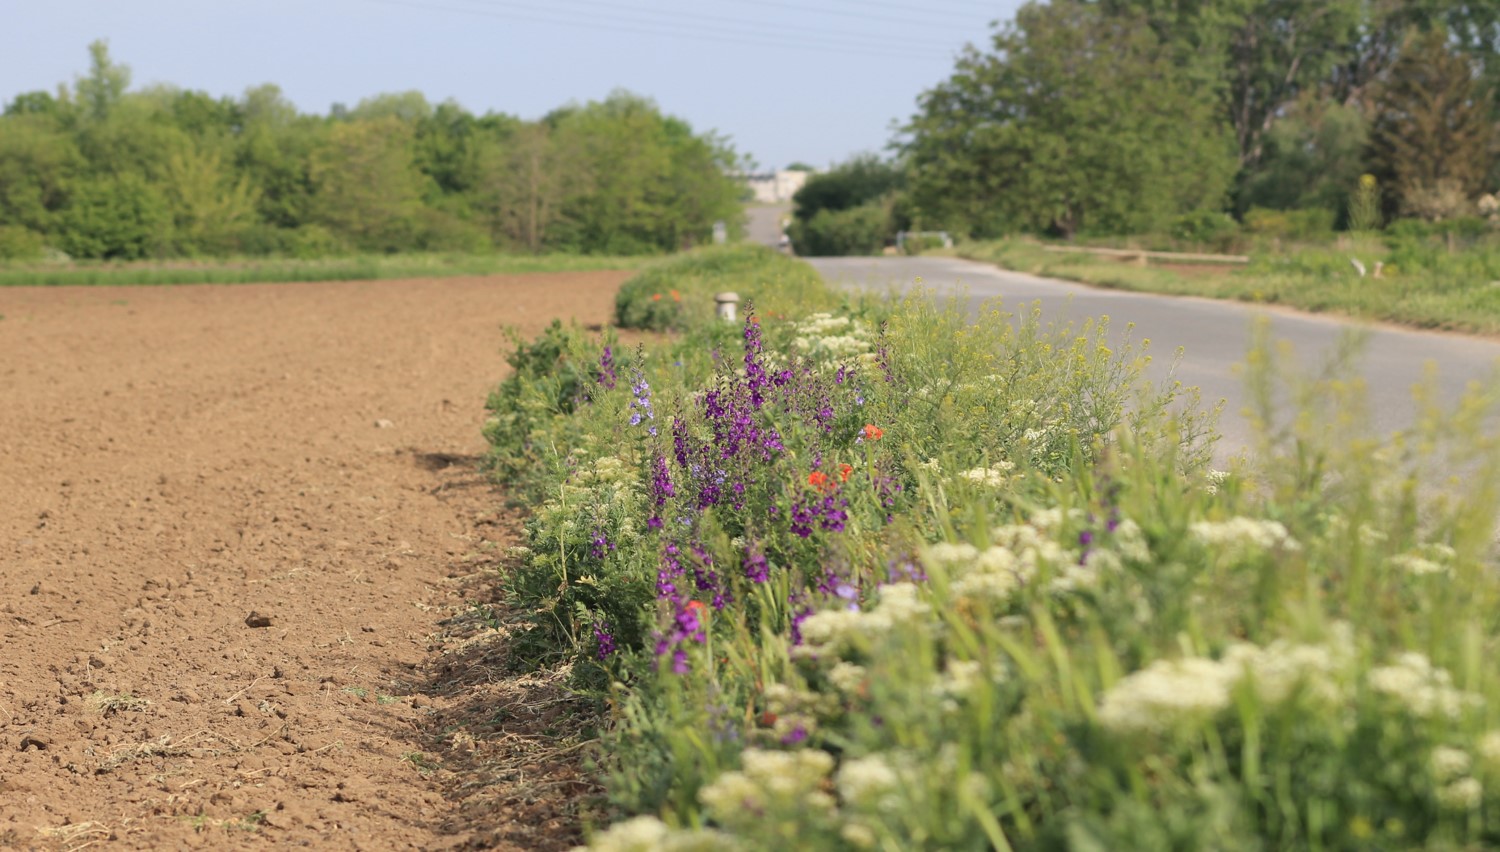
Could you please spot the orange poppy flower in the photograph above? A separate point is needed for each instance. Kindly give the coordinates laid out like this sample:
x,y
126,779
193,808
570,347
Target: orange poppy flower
x,y
656,297
844,471
817,479
873,432
676,296
696,607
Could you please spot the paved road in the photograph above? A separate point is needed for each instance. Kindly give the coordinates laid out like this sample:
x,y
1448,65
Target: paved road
x,y
763,222
1215,335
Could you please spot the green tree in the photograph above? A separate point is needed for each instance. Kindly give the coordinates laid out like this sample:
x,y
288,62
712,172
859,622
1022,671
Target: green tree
x,y
1077,120
1260,55
274,149
858,180
120,217
105,85
1313,157
367,187
38,162
656,185
1433,138
529,182
208,204
847,209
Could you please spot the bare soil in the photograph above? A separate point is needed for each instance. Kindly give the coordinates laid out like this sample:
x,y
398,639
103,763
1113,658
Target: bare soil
x,y
243,534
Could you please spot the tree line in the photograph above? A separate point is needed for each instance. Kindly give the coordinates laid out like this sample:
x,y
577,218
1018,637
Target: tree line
x,y
1096,117
96,170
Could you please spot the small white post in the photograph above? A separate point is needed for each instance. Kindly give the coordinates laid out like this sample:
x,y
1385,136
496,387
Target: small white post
x,y
726,304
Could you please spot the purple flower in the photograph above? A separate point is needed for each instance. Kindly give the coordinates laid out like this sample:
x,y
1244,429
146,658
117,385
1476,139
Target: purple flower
x,y
640,404
755,566
599,544
607,374
604,639
660,489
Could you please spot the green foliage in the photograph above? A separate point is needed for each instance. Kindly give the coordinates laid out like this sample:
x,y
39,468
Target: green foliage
x,y
1308,225
1062,631
1364,205
849,209
1311,157
122,218
1209,228
18,243
251,175
1434,136
326,261
855,230
679,292
1036,135
856,182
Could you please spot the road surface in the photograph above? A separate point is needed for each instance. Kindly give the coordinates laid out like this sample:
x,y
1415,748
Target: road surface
x,y
763,223
1215,335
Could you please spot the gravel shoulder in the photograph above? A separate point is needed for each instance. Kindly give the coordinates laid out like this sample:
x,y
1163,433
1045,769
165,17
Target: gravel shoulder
x,y
241,533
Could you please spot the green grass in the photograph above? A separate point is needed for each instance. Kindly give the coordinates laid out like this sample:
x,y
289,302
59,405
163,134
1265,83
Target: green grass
x,y
260,271
1421,287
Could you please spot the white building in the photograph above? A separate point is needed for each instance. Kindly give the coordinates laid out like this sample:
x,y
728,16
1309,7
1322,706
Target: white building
x,y
774,187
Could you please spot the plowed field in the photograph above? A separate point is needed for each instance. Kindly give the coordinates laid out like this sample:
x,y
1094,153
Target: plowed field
x,y
240,528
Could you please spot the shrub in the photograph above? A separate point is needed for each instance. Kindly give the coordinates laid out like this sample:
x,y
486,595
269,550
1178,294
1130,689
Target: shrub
x,y
861,230
18,243
1210,228
1313,224
679,292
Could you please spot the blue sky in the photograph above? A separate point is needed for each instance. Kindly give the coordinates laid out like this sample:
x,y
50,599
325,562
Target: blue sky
x,y
786,80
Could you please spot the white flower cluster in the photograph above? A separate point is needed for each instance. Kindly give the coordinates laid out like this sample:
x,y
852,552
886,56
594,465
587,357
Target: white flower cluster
x,y
769,781
1169,692
830,336
867,782
1166,693
1450,770
1241,534
1215,479
994,476
1426,690
1448,763
958,681
837,629
1489,749
1280,668
1431,560
649,834
847,677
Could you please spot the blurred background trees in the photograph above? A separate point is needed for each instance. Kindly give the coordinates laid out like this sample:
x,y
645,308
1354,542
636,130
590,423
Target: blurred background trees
x,y
98,170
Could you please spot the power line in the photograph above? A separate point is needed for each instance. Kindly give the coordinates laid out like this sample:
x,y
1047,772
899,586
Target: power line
x,y
889,50
714,23
928,23
927,6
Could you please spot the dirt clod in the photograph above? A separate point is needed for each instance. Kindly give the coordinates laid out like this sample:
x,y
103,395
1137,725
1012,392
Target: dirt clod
x,y
255,619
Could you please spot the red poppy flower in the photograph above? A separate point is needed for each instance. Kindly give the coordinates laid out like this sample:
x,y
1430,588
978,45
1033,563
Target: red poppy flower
x,y
844,471
817,479
873,432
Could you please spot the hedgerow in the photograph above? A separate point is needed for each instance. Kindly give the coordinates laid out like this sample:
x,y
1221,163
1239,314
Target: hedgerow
x,y
902,575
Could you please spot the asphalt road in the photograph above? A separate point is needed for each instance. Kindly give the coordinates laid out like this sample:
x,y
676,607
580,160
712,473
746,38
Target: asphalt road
x,y
763,222
1214,335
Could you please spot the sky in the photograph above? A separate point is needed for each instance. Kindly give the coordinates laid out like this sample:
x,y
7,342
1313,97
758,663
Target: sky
x,y
812,81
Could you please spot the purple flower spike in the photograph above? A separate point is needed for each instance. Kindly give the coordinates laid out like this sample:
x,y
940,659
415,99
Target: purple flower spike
x,y
607,374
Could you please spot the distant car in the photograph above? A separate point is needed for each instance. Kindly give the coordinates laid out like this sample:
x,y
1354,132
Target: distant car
x,y
784,243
